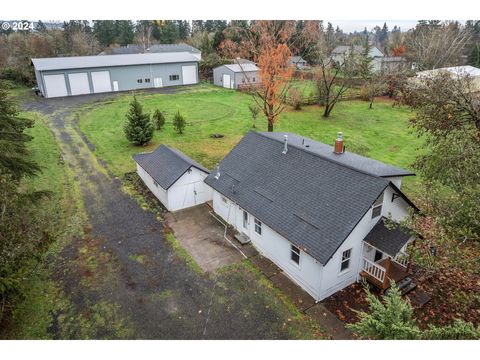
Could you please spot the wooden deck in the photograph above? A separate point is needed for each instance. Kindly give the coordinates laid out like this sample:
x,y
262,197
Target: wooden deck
x,y
394,272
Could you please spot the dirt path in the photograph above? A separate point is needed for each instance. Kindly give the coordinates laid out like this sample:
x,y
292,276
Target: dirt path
x,y
124,268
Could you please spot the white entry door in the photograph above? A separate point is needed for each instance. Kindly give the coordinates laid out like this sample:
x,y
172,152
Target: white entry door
x,y
115,86
189,74
226,81
101,81
245,222
79,83
55,85
157,82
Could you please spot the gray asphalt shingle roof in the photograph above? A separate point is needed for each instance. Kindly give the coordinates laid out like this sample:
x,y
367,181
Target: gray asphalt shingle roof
x,y
308,198
78,62
390,241
166,164
355,161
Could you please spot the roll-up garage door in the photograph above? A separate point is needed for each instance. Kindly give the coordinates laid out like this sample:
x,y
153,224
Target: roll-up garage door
x,y
79,83
189,74
55,85
101,81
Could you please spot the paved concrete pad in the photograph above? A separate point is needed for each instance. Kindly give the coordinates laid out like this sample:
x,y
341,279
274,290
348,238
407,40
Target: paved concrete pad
x,y
202,236
329,322
300,298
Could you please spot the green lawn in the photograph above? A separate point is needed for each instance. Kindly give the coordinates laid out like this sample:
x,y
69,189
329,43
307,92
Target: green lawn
x,y
381,133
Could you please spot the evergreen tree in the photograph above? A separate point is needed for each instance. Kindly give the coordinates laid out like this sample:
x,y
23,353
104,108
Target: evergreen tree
x,y
391,319
183,29
158,119
138,129
179,123
474,58
41,27
125,32
14,153
105,31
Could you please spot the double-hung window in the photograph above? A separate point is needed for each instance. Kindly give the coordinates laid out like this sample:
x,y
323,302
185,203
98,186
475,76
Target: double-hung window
x,y
258,227
377,207
346,260
295,254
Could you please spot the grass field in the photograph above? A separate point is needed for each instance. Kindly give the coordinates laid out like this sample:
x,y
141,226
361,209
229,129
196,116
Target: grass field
x,y
381,133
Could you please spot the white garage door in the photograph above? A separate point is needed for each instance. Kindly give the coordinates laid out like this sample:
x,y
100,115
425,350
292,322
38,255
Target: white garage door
x,y
101,81
189,74
226,81
79,83
55,85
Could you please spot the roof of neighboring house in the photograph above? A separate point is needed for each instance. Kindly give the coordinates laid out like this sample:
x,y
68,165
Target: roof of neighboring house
x,y
455,70
77,62
296,59
166,165
157,48
357,49
387,239
393,59
245,67
349,159
306,197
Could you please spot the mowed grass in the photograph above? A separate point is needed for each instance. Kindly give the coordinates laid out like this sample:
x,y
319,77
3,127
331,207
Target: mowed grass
x,y
381,133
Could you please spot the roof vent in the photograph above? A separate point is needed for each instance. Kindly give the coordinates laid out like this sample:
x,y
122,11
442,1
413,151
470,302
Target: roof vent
x,y
285,145
339,147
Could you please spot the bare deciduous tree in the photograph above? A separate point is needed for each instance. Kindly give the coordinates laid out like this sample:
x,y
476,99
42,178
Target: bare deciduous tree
x,y
432,46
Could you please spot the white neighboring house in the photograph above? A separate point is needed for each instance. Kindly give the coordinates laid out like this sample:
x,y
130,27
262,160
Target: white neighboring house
x,y
174,178
298,62
341,52
316,211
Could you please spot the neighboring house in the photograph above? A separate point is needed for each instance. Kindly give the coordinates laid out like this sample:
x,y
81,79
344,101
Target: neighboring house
x,y
316,211
174,178
341,52
298,62
234,76
76,75
393,63
460,71
156,48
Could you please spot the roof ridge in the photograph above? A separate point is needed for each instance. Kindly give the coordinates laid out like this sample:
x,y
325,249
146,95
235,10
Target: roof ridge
x,y
323,157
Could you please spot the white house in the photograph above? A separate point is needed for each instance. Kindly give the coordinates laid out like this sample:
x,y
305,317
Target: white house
x,y
298,62
174,178
341,52
316,211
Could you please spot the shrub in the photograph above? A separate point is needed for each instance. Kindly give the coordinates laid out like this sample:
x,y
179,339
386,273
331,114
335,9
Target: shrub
x,y
139,128
295,98
254,111
179,123
158,119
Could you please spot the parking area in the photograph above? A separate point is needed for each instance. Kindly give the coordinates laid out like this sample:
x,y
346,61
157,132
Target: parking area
x,y
202,236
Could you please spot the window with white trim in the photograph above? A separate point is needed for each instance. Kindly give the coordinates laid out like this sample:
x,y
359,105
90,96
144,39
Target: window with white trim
x,y
377,207
258,226
346,255
295,254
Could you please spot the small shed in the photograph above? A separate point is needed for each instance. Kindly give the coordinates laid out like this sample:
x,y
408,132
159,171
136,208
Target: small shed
x,y
234,76
174,178
298,62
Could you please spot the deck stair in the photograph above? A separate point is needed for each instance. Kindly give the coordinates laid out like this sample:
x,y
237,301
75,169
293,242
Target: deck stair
x,y
242,239
405,286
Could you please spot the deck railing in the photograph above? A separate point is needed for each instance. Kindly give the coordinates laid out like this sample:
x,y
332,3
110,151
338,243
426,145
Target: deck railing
x,y
374,270
402,259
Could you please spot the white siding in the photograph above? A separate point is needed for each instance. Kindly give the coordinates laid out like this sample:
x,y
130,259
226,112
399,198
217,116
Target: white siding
x,y
189,190
396,180
157,190
273,246
396,209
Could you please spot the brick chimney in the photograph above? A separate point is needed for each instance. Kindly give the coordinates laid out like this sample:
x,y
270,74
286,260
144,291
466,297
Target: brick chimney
x,y
339,147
